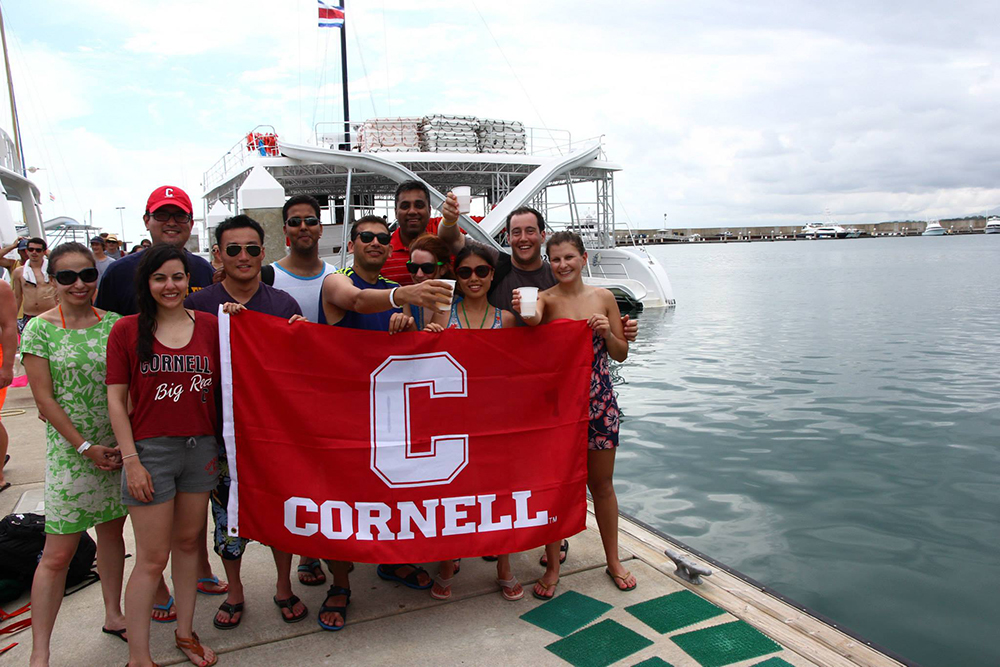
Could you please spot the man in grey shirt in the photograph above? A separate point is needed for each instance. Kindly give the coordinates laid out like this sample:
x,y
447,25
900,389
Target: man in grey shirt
x,y
101,259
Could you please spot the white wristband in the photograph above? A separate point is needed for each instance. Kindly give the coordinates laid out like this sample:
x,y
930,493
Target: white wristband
x,y
82,448
392,299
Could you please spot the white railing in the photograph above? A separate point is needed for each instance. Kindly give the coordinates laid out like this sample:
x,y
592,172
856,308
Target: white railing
x,y
251,147
8,158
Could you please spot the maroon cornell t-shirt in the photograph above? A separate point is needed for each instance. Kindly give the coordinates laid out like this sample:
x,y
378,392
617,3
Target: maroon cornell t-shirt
x,y
174,393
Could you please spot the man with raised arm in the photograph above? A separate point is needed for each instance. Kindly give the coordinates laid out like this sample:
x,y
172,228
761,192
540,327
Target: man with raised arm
x,y
359,297
413,211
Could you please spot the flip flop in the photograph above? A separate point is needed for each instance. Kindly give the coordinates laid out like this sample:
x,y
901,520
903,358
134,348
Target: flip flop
x,y
510,584
116,633
615,578
215,582
410,580
5,487
316,570
288,604
232,610
445,585
170,617
563,552
547,588
331,592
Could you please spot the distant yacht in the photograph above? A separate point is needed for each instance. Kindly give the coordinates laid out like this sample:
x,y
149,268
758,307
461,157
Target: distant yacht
x,y
816,230
993,225
934,229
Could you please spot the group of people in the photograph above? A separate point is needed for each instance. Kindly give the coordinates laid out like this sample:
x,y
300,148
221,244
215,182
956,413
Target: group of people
x,y
127,378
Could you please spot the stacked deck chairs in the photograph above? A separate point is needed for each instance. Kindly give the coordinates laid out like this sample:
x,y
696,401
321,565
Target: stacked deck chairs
x,y
500,136
395,135
443,133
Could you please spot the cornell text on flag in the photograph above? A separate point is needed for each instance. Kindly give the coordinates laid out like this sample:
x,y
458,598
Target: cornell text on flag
x,y
356,445
330,15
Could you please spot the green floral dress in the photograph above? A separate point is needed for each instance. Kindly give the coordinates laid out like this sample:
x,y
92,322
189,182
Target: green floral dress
x,y
78,495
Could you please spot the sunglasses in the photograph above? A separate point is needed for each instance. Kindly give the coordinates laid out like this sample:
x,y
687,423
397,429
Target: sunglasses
x,y
67,277
234,249
465,272
29,249
366,237
163,216
427,267
295,222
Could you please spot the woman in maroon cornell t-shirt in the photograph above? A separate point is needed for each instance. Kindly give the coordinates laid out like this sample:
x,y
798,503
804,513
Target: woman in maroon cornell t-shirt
x,y
166,360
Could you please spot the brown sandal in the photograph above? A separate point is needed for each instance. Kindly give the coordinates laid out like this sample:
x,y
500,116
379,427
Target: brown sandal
x,y
193,644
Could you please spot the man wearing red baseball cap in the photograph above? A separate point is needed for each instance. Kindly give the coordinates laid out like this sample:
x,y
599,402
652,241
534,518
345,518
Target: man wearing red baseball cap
x,y
168,220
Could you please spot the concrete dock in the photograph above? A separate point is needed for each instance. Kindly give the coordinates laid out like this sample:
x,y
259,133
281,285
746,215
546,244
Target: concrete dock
x,y
389,624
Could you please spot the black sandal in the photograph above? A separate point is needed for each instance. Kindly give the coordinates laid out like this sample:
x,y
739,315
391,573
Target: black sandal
x,y
116,633
563,552
334,591
388,572
316,570
288,604
232,610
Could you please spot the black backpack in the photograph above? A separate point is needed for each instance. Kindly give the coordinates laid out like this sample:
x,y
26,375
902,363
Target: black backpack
x,y
267,275
22,539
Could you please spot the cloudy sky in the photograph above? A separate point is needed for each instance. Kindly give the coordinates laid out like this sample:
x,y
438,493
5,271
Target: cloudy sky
x,y
720,112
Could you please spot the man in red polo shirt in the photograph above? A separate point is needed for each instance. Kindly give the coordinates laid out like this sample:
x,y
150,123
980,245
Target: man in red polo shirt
x,y
413,215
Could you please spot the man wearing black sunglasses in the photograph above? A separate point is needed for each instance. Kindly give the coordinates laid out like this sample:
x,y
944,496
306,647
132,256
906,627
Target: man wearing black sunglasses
x,y
32,289
168,219
301,271
240,247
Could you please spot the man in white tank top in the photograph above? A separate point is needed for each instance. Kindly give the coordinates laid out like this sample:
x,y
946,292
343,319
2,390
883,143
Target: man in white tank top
x,y
301,271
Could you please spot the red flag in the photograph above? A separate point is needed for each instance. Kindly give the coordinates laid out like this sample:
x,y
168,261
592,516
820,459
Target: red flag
x,y
354,445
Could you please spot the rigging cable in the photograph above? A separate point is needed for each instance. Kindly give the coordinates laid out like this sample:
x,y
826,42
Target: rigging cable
x,y
385,46
322,80
516,78
364,68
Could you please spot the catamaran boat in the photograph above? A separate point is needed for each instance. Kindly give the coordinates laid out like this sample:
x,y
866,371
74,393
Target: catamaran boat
x,y
506,164
993,225
934,228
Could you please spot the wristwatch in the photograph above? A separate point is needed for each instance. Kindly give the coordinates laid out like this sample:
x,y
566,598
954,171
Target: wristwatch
x,y
83,448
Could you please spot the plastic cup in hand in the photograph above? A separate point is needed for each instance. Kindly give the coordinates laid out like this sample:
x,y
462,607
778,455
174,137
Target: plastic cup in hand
x,y
464,195
529,297
445,307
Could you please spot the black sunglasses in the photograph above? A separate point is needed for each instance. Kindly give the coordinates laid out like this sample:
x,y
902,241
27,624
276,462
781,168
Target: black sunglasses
x,y
67,277
233,249
465,272
30,249
295,222
163,216
366,237
427,267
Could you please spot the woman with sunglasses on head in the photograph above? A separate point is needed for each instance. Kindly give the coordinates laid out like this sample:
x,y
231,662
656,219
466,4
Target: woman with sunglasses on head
x,y
63,354
429,260
474,267
572,299
165,361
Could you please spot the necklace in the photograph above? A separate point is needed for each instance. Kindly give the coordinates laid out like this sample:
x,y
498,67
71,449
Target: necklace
x,y
466,314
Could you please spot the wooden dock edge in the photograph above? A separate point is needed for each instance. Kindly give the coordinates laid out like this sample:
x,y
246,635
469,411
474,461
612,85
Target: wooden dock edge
x,y
793,626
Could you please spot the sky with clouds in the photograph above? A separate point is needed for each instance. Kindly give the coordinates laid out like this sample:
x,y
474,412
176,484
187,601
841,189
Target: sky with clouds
x,y
721,112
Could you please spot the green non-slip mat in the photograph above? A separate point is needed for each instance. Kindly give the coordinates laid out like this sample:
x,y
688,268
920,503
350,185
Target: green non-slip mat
x,y
653,662
566,613
774,662
725,644
673,612
599,645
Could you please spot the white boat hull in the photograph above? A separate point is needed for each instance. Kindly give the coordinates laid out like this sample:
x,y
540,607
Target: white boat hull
x,y
992,230
934,232
632,272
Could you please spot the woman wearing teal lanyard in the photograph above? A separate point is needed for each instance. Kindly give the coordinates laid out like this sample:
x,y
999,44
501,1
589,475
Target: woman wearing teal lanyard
x,y
64,355
474,272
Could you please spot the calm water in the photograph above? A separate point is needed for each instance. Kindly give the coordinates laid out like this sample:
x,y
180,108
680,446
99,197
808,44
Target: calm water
x,y
825,417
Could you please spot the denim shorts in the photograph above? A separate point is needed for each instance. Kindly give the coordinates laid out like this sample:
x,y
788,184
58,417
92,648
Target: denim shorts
x,y
176,464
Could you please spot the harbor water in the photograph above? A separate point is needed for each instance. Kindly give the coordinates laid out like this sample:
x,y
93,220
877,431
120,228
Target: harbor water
x,y
824,416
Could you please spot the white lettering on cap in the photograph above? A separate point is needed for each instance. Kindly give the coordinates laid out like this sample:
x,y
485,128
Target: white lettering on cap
x,y
169,192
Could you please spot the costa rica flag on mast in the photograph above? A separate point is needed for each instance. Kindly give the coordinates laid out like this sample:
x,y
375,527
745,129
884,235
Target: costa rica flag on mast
x,y
330,15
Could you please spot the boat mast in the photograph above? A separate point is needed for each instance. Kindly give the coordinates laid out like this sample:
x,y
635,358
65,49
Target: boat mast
x,y
13,105
343,77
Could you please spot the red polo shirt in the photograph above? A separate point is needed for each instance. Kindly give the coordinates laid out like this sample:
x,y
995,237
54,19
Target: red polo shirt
x,y
395,266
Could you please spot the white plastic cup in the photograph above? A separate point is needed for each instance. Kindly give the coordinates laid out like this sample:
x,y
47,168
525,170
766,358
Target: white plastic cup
x,y
451,285
464,195
529,297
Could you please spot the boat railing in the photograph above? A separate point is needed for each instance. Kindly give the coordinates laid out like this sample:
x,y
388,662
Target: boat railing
x,y
261,141
8,158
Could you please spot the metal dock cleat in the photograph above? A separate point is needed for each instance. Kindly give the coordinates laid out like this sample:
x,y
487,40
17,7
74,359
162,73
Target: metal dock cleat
x,y
687,569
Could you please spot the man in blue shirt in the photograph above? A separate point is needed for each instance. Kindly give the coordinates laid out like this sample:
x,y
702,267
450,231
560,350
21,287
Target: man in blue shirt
x,y
168,219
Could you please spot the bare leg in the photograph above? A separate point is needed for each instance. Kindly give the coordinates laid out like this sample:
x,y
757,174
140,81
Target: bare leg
x,y
446,570
204,565
235,595
188,540
111,567
504,573
339,569
551,576
283,584
47,590
600,473
152,525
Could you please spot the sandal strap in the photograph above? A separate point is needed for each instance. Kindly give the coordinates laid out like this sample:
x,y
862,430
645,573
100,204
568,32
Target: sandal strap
x,y
288,603
509,583
231,609
192,643
339,590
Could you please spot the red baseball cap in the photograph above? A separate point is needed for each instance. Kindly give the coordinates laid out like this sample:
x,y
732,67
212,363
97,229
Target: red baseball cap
x,y
168,194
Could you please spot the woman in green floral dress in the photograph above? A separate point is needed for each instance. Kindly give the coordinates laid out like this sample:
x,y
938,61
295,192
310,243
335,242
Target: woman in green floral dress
x,y
64,354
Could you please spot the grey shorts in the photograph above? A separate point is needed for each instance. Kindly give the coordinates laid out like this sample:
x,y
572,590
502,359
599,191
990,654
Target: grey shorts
x,y
176,464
